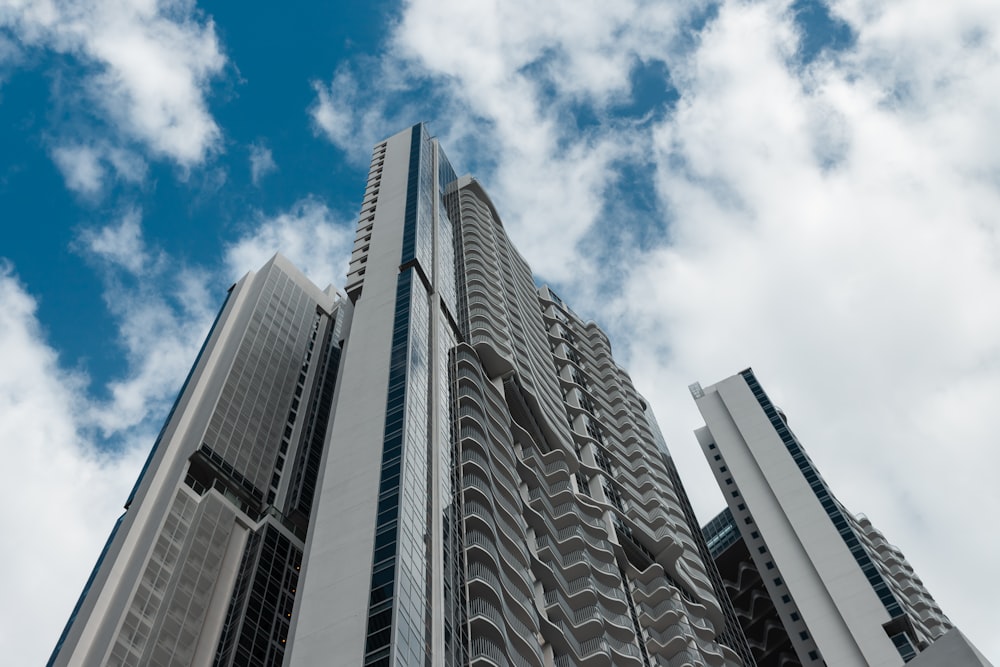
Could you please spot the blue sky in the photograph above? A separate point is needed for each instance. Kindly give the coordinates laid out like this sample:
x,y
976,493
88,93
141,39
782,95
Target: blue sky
x,y
810,188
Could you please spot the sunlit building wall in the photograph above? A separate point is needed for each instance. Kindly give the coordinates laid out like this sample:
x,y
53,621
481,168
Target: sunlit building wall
x,y
793,555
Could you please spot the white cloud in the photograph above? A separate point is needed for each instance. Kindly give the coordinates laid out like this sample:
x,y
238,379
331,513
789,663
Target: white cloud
x,y
119,246
163,310
332,116
504,95
355,117
10,52
832,226
152,61
261,162
75,450
81,167
64,492
308,234
128,165
84,167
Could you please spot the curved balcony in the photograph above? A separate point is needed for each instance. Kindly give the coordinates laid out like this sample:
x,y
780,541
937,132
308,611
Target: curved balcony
x,y
486,584
596,652
596,583
564,514
612,619
574,538
479,513
576,563
487,620
475,476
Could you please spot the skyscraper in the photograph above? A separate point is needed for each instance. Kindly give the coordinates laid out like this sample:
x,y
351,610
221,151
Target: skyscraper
x,y
203,564
443,467
807,576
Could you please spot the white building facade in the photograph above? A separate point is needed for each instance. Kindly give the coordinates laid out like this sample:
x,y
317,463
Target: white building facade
x,y
843,594
443,467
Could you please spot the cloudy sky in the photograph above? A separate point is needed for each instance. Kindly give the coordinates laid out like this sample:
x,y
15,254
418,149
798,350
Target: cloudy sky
x,y
809,188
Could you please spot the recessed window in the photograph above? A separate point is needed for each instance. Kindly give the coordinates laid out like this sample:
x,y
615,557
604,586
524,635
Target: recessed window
x,y
803,635
785,599
748,520
813,655
723,469
741,507
736,494
769,565
777,581
712,446
754,535
761,550
717,457
794,616
729,480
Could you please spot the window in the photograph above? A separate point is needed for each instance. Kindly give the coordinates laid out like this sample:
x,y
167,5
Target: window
x,y
769,565
786,599
741,507
729,480
736,494
803,635
723,469
748,520
717,457
777,581
712,446
761,550
795,616
813,655
754,535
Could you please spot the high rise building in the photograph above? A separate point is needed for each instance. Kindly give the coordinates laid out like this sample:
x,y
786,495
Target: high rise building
x,y
203,565
811,582
443,467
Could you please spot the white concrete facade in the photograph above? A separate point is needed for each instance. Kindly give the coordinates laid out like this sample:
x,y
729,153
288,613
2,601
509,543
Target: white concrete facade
x,y
844,595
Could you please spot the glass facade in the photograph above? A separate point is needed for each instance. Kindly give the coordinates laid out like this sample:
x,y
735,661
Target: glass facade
x,y
256,630
448,217
311,454
383,587
399,620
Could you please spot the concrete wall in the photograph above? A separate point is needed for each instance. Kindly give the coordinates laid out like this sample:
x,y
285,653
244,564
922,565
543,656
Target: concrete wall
x,y
843,615
330,617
